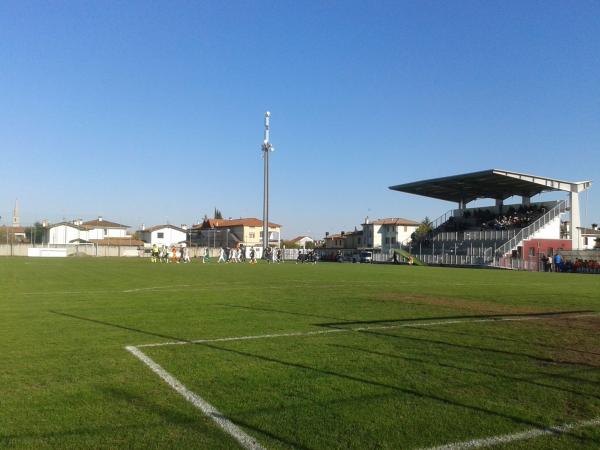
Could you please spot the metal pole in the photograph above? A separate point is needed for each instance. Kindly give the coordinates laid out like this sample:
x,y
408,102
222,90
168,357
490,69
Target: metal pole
x,y
266,149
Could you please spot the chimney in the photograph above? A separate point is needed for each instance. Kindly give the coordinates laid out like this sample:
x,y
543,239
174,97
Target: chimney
x,y
143,227
99,218
594,226
184,226
78,222
367,220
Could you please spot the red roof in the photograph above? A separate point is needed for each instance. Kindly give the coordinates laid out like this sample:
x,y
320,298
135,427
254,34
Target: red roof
x,y
12,230
230,223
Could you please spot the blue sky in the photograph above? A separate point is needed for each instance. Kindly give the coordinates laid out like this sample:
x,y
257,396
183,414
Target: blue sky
x,y
147,112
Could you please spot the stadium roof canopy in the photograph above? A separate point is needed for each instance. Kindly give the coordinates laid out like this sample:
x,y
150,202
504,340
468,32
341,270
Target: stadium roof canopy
x,y
493,183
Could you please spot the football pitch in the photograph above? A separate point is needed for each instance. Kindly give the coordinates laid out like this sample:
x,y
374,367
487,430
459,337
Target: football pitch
x,y
123,353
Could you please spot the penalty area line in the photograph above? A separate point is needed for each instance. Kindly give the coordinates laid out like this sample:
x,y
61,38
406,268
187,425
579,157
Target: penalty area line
x,y
375,327
507,438
243,438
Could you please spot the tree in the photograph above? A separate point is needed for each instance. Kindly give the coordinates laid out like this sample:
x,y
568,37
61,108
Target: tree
x,y
217,214
290,244
35,234
422,230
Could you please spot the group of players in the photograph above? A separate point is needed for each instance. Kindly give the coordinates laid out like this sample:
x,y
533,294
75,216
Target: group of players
x,y
165,254
240,254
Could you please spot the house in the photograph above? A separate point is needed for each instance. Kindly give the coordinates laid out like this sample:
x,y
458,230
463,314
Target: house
x,y
231,232
344,240
14,234
78,232
387,233
163,235
588,236
301,241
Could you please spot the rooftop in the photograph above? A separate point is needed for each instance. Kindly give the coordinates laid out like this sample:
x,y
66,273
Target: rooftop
x,y
494,183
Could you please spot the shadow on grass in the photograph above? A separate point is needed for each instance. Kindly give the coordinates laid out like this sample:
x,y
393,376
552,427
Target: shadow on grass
x,y
472,316
526,380
122,327
353,378
476,348
254,308
505,339
5,439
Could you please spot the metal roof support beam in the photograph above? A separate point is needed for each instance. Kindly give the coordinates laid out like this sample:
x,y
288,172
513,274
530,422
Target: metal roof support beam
x,y
549,183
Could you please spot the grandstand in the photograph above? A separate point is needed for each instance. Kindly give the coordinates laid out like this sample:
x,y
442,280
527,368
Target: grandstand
x,y
514,235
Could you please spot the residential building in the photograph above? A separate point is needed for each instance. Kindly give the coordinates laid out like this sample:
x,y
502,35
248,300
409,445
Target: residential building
x,y
14,234
344,240
588,236
231,232
77,231
163,235
387,233
301,241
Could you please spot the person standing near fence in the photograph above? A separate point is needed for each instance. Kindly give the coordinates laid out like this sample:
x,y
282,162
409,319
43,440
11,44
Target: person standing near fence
x,y
221,255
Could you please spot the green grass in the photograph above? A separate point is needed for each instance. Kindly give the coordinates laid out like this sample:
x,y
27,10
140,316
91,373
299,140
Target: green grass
x,y
66,380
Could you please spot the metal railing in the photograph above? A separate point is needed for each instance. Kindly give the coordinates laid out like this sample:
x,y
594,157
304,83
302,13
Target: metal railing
x,y
526,232
486,235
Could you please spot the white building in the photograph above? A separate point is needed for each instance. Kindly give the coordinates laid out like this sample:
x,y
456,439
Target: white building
x,y
588,236
301,241
163,235
387,233
80,232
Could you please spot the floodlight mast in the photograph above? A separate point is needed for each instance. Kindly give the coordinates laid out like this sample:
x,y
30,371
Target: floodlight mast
x,y
266,149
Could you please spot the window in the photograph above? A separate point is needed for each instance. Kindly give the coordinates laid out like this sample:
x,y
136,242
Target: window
x,y
387,240
160,235
105,232
531,251
393,240
405,228
251,235
585,241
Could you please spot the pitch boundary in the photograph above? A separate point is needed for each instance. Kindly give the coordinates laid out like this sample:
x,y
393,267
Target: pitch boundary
x,y
244,439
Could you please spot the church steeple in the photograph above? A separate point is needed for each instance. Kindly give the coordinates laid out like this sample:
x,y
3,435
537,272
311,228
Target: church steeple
x,y
16,222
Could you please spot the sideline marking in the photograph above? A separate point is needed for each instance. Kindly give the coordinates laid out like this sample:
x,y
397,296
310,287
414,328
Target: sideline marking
x,y
506,438
375,327
245,440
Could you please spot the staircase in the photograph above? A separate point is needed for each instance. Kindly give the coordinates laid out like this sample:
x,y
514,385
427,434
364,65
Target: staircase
x,y
527,232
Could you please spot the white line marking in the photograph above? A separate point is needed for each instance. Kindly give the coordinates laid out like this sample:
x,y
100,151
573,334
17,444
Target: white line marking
x,y
156,288
376,327
506,438
245,440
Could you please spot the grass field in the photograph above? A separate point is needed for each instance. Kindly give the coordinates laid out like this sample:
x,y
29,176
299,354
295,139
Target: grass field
x,y
404,357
